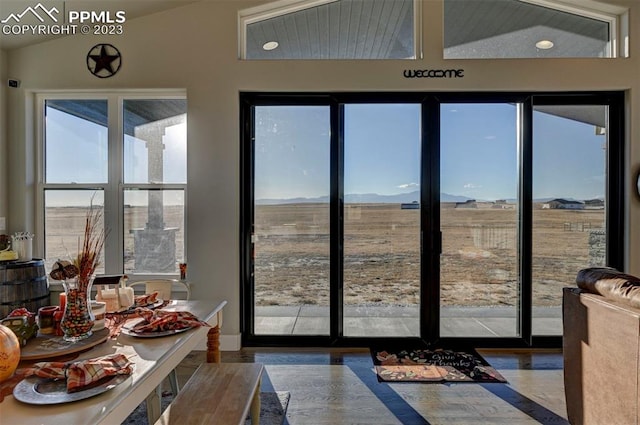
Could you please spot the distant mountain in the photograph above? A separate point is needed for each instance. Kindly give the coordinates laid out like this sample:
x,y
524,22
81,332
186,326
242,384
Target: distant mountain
x,y
400,198
365,198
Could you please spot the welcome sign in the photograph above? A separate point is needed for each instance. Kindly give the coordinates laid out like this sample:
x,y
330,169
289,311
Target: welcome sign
x,y
433,73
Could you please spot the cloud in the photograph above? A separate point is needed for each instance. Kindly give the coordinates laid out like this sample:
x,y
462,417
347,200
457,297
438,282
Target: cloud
x,y
472,186
408,185
490,137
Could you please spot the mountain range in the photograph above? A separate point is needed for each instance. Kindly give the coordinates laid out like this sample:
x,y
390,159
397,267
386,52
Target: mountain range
x,y
374,198
365,198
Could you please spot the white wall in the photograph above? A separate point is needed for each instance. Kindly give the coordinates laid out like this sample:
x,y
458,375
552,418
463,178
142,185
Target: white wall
x,y
195,47
4,173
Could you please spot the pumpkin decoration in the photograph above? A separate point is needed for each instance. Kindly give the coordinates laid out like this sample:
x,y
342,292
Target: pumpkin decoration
x,y
9,353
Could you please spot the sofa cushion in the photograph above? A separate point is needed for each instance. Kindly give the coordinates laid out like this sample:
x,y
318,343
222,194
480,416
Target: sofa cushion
x,y
610,283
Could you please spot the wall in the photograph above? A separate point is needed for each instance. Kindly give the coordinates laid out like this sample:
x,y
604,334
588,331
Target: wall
x,y
4,173
195,47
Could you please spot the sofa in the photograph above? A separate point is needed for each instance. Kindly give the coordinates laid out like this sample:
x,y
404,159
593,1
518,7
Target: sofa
x,y
601,348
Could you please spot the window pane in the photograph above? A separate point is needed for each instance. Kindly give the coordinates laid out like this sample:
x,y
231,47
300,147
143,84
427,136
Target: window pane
x,y
382,220
65,214
153,231
479,293
519,29
291,220
155,141
342,29
569,188
76,141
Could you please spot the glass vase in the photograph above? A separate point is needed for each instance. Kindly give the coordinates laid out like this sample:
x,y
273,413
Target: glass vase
x,y
78,318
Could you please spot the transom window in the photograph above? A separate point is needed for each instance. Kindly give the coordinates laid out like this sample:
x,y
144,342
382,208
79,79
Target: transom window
x,y
488,29
473,29
330,29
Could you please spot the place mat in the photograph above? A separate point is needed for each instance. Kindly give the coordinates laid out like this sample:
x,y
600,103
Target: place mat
x,y
433,365
53,346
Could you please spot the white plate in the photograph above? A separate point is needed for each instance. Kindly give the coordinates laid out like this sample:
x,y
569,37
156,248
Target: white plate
x,y
35,390
127,329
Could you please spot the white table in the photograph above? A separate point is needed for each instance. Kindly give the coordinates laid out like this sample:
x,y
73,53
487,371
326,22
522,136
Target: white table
x,y
154,358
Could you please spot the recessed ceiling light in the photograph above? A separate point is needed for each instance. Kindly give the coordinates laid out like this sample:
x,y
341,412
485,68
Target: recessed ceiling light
x,y
270,45
544,44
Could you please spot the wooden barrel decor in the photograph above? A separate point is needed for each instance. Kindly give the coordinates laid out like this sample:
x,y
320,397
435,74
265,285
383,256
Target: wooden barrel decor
x,y
23,284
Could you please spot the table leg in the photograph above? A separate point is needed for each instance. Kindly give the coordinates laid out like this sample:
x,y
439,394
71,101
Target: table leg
x,y
154,407
255,406
213,345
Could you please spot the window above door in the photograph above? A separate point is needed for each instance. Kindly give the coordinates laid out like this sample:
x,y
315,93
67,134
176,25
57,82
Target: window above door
x,y
330,29
491,29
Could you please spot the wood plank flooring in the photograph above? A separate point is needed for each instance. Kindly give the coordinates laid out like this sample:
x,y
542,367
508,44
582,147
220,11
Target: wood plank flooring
x,y
339,386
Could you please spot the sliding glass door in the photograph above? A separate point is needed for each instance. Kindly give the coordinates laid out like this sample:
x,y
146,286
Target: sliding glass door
x,y
291,220
422,217
381,213
479,276
570,151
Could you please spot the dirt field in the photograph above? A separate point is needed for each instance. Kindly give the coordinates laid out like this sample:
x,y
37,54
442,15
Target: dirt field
x,y
382,262
478,265
65,227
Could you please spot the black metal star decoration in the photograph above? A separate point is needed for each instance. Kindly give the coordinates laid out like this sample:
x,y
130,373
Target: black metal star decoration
x,y
104,60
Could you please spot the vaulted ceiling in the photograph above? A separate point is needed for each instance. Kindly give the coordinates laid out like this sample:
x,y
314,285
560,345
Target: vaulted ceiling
x,y
132,8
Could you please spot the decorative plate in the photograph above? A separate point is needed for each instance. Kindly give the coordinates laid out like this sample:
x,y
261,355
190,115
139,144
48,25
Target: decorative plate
x,y
128,330
35,390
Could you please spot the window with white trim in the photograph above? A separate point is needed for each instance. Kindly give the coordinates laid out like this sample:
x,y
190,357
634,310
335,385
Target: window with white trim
x,y
492,29
330,29
124,154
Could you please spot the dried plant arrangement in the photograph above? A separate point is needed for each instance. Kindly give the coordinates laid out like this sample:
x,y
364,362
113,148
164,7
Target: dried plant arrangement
x,y
84,265
88,258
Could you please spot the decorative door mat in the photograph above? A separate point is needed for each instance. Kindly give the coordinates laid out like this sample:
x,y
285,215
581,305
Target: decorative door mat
x,y
433,365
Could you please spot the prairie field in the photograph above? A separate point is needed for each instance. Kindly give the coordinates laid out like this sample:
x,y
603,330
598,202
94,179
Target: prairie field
x,y
478,264
65,232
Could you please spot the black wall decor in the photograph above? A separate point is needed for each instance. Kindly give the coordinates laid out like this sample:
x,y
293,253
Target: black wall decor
x,y
104,60
433,73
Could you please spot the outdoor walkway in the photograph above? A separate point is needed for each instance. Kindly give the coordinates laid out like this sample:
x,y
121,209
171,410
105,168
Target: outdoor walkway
x,y
402,321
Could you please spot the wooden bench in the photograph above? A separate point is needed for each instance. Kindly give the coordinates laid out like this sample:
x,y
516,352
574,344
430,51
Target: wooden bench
x,y
217,393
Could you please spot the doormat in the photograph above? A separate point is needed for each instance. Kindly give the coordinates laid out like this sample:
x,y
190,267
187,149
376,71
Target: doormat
x,y
273,409
433,365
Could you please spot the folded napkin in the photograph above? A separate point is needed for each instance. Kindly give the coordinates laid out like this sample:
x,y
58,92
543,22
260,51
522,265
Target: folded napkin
x,y
145,300
83,373
162,320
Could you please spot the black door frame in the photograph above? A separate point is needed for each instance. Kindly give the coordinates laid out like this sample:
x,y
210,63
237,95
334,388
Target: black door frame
x,y
431,242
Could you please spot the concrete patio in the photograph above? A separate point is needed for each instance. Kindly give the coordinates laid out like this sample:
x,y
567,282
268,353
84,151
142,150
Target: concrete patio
x,y
399,321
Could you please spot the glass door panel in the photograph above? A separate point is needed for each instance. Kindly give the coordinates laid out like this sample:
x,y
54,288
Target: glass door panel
x,y
479,289
569,188
381,220
291,220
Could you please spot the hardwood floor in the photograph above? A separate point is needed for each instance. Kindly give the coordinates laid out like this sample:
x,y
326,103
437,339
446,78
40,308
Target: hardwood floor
x,y
339,386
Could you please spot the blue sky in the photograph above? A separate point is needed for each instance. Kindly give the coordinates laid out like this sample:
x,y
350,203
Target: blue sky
x,y
76,151
382,152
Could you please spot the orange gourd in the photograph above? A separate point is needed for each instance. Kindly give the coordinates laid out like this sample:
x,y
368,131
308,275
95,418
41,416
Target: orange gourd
x,y
9,352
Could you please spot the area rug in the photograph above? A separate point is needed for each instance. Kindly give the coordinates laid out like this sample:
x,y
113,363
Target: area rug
x,y
433,365
273,409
